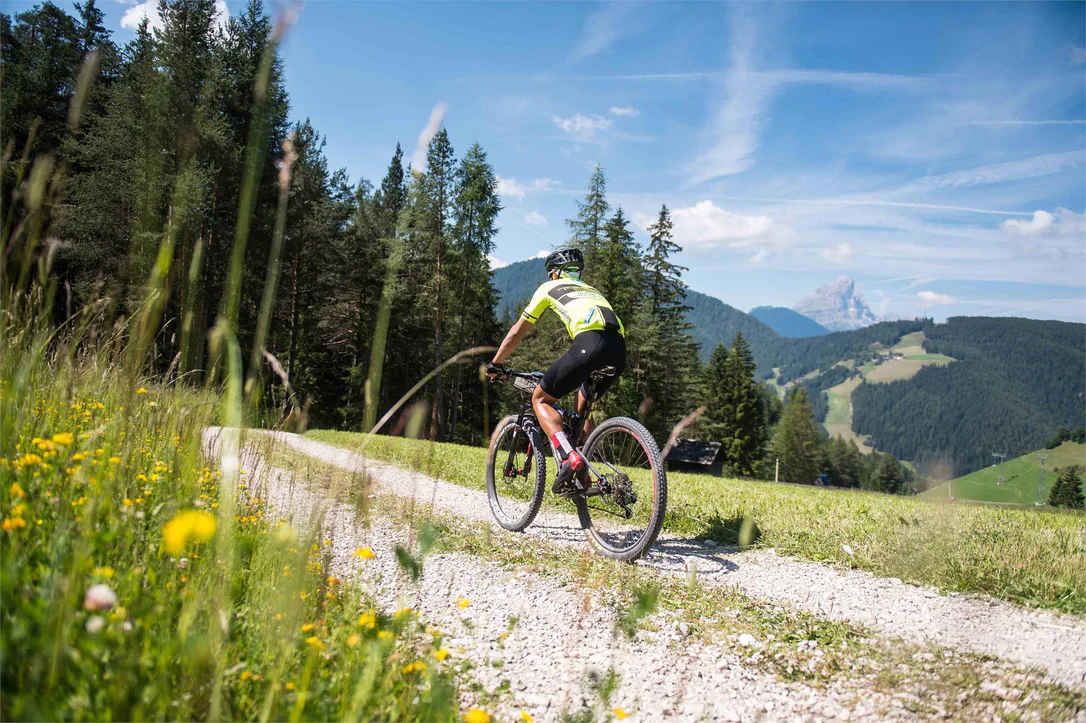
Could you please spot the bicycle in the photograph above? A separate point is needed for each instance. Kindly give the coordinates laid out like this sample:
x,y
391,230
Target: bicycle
x,y
621,509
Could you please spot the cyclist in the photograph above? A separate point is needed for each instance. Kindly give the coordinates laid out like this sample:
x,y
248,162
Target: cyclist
x,y
599,344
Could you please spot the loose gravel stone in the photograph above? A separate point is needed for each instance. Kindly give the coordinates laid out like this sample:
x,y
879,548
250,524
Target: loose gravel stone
x,y
1051,641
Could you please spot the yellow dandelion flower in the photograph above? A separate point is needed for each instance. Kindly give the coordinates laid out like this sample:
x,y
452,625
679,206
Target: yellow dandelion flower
x,y
127,502
353,639
366,553
441,654
63,439
367,620
526,716
619,713
186,525
29,460
114,460
106,572
312,640
141,390
290,686
307,627
384,635
476,715
417,666
463,602
246,675
19,509
16,490
403,613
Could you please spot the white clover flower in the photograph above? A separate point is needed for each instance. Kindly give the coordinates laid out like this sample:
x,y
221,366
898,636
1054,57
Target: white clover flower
x,y
95,623
99,597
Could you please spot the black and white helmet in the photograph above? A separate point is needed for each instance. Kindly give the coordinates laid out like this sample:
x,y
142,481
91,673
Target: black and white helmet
x,y
565,260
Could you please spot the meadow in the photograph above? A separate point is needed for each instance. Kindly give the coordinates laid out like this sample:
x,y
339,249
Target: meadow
x,y
1021,478
134,587
1031,558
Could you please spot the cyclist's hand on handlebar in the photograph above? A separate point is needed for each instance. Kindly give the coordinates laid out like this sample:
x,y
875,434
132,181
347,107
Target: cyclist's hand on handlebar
x,y
494,371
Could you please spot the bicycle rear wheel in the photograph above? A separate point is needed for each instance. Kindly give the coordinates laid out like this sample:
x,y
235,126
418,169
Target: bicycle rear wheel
x,y
625,516
516,475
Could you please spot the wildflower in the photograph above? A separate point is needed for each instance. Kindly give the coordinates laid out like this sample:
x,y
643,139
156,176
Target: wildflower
x,y
476,715
199,526
307,627
418,666
151,403
367,620
19,509
106,572
127,502
353,640
12,523
366,553
141,390
45,445
403,613
29,460
384,635
246,675
441,654
463,602
526,716
99,597
290,686
64,439
94,624
619,713
114,460
16,490
327,543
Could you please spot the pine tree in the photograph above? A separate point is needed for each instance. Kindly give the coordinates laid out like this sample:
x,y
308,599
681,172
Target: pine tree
x,y
887,475
586,232
798,442
477,205
744,445
439,191
1067,492
845,461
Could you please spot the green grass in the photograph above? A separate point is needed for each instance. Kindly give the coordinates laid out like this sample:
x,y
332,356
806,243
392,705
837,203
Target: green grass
x,y
206,608
912,346
1021,478
1026,557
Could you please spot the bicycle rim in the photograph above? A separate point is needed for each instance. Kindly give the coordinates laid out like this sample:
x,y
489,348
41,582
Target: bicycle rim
x,y
627,459
515,478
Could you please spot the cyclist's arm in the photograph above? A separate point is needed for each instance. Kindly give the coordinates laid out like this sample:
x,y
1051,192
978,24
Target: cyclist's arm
x,y
512,340
541,300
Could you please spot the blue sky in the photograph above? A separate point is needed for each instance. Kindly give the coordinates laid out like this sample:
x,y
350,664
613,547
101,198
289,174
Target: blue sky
x,y
934,152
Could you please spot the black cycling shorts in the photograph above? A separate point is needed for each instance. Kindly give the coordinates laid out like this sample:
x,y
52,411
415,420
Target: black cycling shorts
x,y
591,351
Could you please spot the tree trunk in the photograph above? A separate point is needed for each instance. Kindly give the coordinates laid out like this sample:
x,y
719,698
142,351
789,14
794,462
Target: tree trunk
x,y
293,345
437,420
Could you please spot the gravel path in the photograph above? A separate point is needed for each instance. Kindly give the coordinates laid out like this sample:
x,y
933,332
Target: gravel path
x,y
543,642
1050,641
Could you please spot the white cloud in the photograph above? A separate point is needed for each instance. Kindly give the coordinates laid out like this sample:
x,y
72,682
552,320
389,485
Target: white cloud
x,y
508,187
840,253
602,29
495,262
705,226
418,161
134,15
931,298
542,254
1063,223
545,184
1003,172
582,127
625,111
535,218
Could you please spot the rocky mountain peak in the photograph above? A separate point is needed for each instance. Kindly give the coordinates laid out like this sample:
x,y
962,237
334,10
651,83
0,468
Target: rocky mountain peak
x,y
837,306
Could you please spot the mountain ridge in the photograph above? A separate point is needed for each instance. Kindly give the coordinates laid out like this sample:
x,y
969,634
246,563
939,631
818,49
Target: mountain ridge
x,y
837,306
788,322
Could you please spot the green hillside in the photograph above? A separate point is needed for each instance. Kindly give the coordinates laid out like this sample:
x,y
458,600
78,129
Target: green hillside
x,y
787,322
1021,478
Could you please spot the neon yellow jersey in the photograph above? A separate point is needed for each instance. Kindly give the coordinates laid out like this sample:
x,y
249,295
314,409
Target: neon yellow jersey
x,y
578,305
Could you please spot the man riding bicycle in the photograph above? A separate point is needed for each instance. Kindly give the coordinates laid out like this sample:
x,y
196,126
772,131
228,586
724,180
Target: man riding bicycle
x,y
599,345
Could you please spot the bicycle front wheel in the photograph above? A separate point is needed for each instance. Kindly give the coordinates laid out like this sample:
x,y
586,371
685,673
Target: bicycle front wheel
x,y
516,475
625,514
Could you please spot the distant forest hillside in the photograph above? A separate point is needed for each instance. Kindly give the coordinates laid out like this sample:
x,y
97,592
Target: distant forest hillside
x,y
1016,381
787,322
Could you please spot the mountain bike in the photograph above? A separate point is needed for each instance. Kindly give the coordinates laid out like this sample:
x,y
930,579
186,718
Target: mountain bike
x,y
620,499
